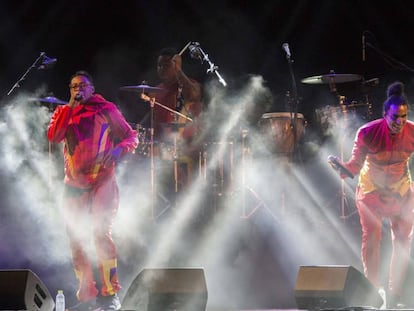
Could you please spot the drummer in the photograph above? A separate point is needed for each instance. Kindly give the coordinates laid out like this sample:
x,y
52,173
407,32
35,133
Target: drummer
x,y
182,94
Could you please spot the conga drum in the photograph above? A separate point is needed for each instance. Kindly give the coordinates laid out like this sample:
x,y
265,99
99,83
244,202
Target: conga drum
x,y
278,131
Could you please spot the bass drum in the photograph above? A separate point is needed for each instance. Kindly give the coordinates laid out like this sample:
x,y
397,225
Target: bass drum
x,y
277,129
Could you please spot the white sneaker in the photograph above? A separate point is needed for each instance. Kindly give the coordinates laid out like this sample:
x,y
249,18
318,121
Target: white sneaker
x,y
382,293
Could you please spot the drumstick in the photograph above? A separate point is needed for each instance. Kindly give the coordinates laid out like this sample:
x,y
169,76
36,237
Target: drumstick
x,y
184,48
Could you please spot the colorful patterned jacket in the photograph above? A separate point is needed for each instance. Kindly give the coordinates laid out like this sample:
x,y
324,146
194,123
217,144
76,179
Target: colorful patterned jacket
x,y
90,131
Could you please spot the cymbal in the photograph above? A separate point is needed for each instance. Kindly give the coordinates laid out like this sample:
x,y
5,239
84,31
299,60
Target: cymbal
x,y
50,100
357,105
332,78
142,88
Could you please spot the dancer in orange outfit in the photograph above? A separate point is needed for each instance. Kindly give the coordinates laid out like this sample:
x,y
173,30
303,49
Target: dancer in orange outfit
x,y
380,155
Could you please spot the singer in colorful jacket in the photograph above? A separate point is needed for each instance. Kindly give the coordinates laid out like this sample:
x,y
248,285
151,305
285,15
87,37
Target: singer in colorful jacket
x,y
95,136
380,155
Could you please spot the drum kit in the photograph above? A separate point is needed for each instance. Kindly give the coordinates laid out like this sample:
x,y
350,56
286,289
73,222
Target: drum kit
x,y
154,148
281,130
278,128
345,110
341,114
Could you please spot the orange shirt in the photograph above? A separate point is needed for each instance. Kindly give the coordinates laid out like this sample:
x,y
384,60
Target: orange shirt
x,y
381,159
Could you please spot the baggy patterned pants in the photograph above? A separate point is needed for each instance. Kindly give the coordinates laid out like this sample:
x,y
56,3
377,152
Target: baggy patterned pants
x,y
89,216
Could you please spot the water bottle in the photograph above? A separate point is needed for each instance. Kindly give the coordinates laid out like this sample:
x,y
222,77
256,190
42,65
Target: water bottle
x,y
60,301
382,293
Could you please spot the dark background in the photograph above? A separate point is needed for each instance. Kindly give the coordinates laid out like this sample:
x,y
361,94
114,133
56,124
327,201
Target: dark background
x,y
118,42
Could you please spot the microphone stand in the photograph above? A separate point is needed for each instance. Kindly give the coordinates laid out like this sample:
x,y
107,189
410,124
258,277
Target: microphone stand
x,y
148,99
175,129
293,105
34,65
152,166
343,127
152,102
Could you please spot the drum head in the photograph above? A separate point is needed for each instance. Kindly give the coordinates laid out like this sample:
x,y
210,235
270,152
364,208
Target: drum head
x,y
281,115
278,132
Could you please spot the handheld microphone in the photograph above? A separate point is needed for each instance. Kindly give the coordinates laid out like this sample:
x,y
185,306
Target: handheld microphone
x,y
334,161
285,46
78,97
47,62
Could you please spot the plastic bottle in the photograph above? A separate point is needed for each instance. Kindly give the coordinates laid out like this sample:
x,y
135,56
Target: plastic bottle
x,y
381,292
60,301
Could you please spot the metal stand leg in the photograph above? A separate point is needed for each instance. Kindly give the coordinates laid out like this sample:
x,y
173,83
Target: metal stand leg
x,y
245,189
344,201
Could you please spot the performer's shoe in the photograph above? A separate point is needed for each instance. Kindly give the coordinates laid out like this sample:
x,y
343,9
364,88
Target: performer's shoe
x,y
394,302
109,303
383,295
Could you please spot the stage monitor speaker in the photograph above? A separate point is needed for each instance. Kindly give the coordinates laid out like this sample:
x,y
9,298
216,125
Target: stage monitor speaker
x,y
23,290
167,289
321,287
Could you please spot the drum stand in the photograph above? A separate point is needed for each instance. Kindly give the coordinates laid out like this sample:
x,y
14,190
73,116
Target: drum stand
x,y
175,128
343,125
344,200
152,102
218,175
245,189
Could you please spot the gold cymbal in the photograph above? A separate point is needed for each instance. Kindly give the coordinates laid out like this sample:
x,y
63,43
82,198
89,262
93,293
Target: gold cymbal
x,y
355,105
173,125
332,78
142,88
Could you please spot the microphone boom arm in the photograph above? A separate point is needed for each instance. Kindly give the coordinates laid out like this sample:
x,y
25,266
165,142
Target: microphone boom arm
x,y
146,98
23,77
213,68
